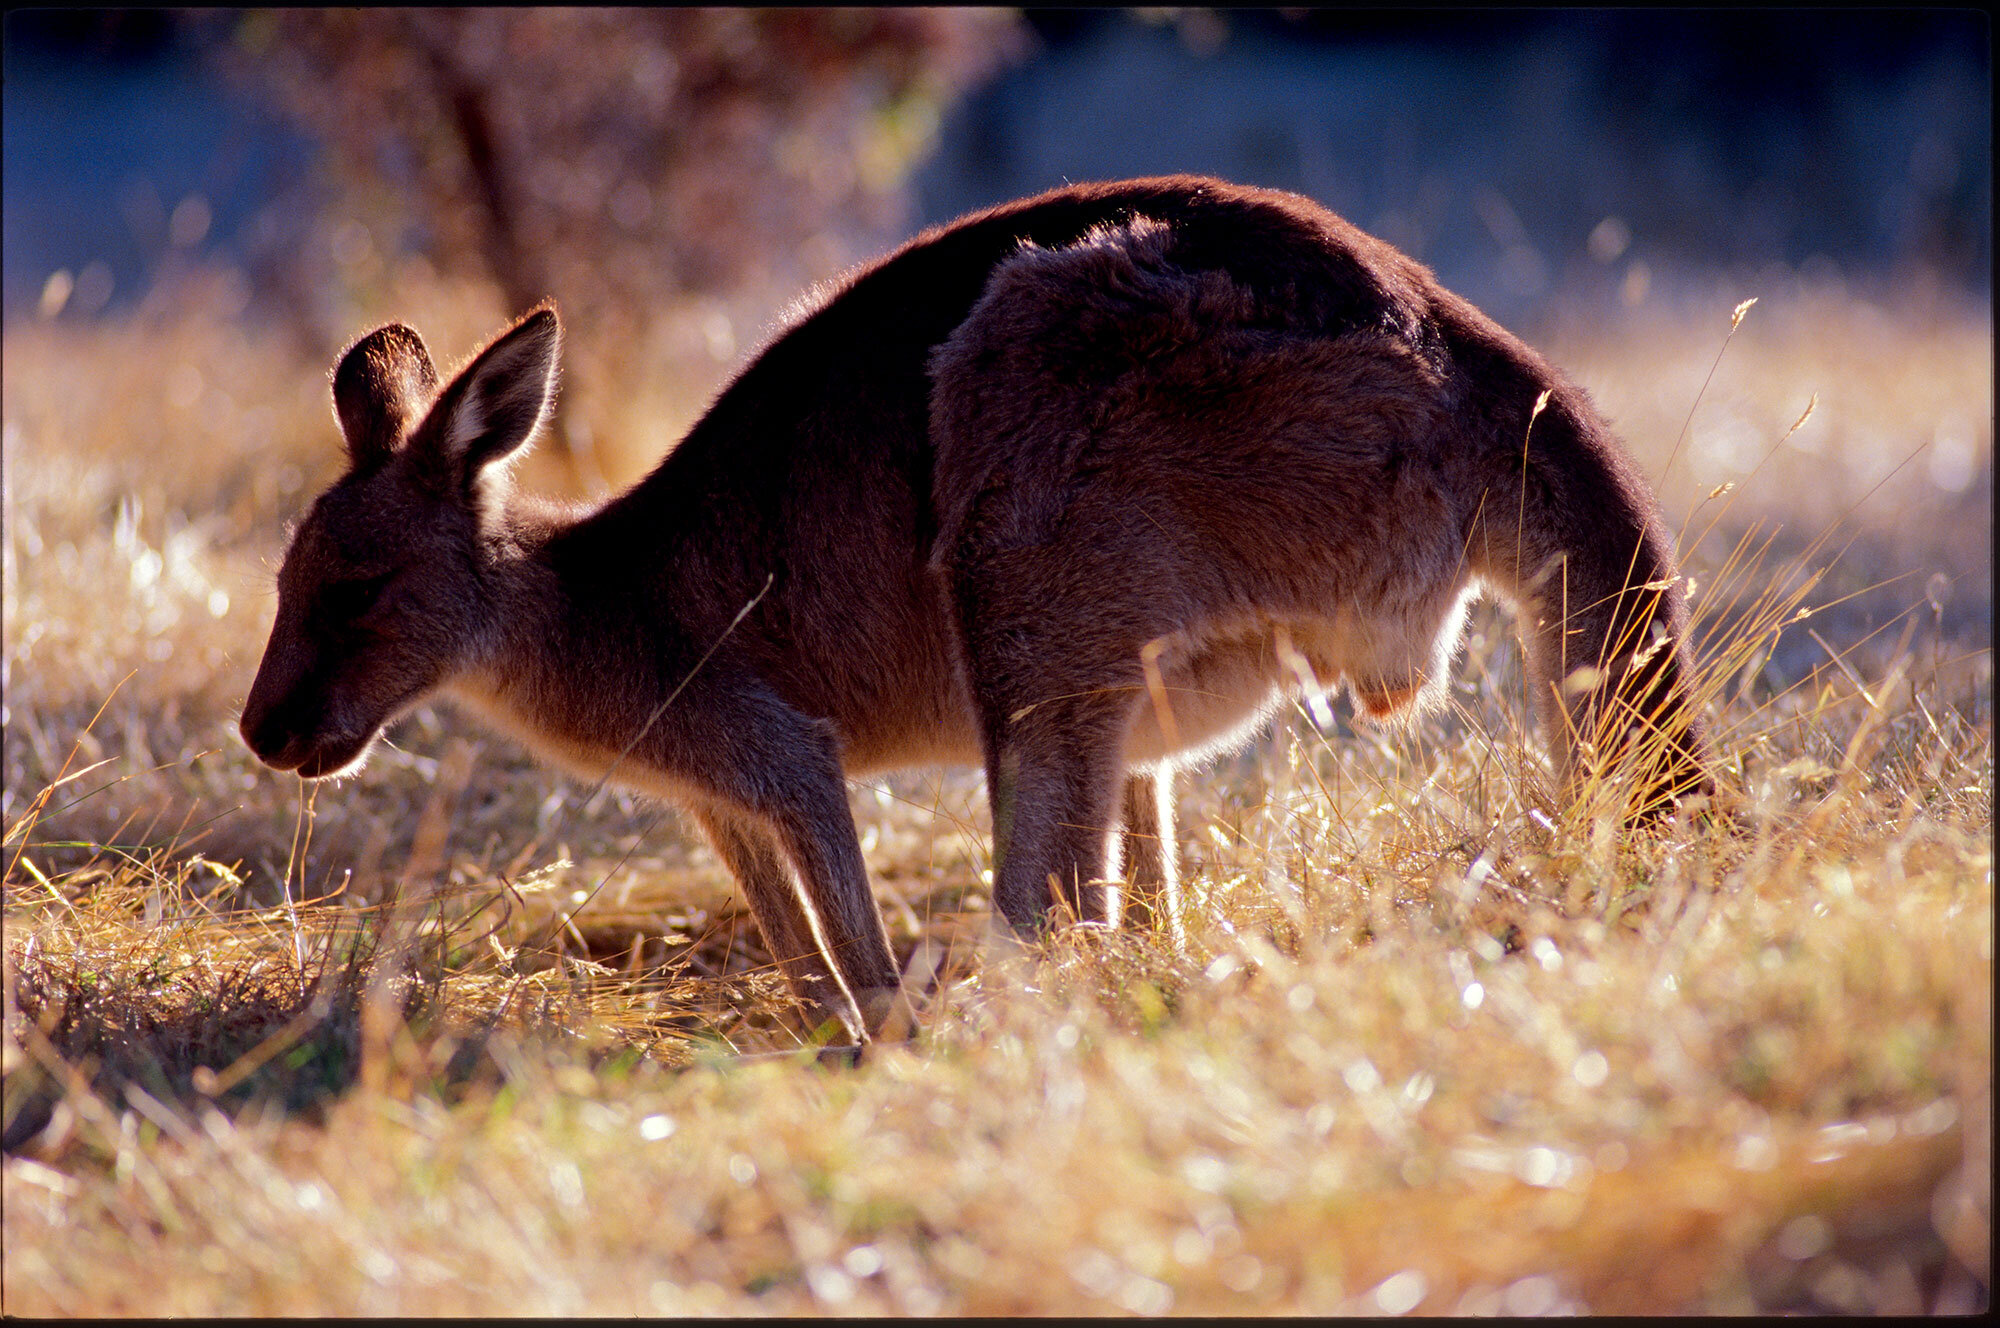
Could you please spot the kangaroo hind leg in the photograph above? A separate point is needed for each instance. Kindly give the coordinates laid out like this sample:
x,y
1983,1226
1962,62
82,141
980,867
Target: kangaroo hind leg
x,y
1053,770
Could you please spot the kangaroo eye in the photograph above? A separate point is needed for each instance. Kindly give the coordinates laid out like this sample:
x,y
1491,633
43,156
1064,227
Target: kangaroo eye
x,y
347,600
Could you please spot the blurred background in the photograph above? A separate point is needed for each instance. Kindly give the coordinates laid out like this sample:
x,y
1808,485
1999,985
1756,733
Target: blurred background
x,y
633,162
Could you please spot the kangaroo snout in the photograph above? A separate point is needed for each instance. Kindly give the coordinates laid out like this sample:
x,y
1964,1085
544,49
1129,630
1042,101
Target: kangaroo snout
x,y
290,724
275,746
266,732
276,737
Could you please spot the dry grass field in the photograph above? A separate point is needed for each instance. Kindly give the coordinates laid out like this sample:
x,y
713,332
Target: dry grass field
x,y
454,1037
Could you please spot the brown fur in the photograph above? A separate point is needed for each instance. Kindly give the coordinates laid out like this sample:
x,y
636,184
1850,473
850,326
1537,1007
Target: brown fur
x,y
1077,487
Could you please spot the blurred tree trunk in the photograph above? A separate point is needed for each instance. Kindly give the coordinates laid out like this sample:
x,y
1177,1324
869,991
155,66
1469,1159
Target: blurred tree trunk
x,y
641,166
516,268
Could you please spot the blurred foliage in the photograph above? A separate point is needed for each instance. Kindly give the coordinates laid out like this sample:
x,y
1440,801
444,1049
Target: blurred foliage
x,y
620,161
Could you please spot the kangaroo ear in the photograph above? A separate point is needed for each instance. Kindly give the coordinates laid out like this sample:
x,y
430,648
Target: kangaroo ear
x,y
380,388
494,406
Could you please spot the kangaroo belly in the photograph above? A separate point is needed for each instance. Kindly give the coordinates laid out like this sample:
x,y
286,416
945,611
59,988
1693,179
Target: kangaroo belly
x,y
934,730
1205,696
1210,691
883,674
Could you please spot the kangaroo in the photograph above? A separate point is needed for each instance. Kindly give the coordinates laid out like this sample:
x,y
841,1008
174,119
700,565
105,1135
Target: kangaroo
x,y
1077,488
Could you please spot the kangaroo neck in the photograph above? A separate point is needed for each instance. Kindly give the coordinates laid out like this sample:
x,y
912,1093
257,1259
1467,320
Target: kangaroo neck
x,y
552,607
558,665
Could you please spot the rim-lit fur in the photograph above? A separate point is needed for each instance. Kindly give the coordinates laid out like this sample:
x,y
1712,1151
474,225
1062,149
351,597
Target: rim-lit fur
x,y
1077,488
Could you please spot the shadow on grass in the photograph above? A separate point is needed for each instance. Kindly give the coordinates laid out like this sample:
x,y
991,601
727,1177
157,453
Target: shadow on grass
x,y
180,1028
111,1005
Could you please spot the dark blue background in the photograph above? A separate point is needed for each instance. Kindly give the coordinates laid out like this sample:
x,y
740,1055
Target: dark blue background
x,y
1488,143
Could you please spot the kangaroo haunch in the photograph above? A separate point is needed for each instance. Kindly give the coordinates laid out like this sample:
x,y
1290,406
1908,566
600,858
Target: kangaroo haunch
x,y
1077,488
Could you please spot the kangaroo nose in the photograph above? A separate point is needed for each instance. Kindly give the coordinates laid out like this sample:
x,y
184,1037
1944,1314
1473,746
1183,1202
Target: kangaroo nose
x,y
251,726
267,739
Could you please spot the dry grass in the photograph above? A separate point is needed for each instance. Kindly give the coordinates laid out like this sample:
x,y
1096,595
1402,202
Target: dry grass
x,y
447,1039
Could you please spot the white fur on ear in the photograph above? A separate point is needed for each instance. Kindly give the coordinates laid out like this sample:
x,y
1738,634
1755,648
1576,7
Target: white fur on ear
x,y
493,408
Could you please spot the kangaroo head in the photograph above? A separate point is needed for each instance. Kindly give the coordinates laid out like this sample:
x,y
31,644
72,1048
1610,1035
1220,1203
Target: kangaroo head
x,y
385,592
